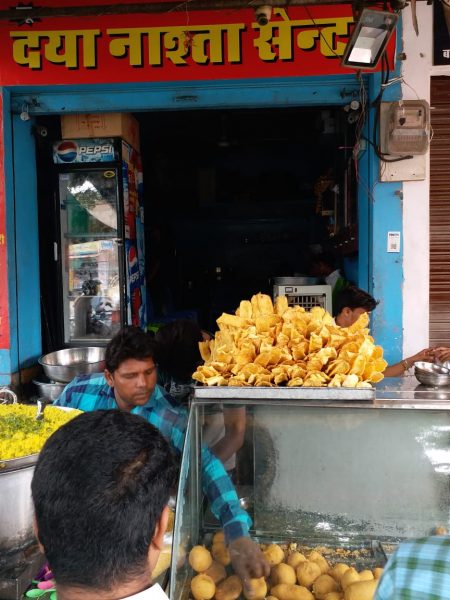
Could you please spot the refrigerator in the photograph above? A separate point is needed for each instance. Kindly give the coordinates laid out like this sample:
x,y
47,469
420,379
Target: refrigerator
x,y
100,253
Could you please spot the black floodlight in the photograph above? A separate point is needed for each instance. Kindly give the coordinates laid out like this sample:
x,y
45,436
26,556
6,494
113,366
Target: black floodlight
x,y
369,39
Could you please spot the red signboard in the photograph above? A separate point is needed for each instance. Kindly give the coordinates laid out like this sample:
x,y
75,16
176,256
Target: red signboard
x,y
176,46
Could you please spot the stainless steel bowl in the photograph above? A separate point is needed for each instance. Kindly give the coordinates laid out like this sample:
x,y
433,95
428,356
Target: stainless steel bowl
x,y
50,390
64,365
431,374
429,367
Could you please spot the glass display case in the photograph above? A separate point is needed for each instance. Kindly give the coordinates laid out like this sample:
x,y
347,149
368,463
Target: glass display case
x,y
334,469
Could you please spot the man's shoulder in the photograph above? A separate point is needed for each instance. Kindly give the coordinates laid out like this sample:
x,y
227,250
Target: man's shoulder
x,y
164,399
93,380
82,390
430,544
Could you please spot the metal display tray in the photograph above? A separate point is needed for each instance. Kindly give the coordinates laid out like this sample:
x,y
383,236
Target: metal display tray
x,y
284,393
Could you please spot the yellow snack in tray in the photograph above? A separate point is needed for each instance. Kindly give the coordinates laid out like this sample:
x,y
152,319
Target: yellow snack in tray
x,y
361,590
320,560
324,585
229,589
200,558
282,573
349,577
217,572
262,305
284,591
366,575
281,305
307,573
338,570
245,309
259,589
295,558
274,554
20,433
220,553
280,338
202,587
377,572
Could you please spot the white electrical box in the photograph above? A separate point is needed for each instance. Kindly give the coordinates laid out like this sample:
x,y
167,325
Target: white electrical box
x,y
407,128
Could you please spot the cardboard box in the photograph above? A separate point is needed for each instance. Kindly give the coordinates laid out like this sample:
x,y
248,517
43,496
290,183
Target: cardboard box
x,y
98,125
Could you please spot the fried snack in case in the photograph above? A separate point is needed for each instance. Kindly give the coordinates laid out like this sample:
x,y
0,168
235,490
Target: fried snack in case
x,y
295,576
200,558
284,591
267,345
202,587
258,589
229,589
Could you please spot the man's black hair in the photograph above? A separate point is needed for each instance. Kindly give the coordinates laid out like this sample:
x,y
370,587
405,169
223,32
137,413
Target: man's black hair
x,y
178,353
354,297
99,487
129,342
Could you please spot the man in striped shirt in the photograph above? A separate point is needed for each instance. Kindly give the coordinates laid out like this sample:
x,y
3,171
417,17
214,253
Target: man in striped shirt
x,y
129,383
418,570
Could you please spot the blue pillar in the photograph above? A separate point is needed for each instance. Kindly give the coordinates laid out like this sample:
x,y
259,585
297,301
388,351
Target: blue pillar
x,y
25,308
386,277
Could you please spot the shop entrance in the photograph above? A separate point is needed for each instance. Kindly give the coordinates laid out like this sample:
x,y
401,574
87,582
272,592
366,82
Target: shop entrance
x,y
233,199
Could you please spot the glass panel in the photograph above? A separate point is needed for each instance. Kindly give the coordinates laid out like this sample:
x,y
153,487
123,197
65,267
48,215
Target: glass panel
x,y
91,282
350,474
187,515
353,480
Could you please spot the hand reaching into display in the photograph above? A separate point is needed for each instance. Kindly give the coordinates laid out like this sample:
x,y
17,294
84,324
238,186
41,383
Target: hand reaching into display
x,y
442,354
248,562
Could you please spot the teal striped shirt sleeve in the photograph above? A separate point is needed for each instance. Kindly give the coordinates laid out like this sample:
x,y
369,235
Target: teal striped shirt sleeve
x,y
216,484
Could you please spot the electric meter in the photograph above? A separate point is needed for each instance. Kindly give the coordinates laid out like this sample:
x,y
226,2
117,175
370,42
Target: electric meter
x,y
408,127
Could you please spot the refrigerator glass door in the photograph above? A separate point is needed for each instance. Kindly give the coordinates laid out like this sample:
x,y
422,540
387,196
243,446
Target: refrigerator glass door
x,y
90,255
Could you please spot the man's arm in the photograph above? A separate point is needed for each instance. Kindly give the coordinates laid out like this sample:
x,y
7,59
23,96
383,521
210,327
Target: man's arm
x,y
223,498
398,369
246,556
216,484
234,422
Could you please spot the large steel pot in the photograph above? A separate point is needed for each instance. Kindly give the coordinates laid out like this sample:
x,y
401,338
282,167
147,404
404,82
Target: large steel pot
x,y
16,523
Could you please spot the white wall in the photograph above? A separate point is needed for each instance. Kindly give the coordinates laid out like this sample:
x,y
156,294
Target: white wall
x,y
417,70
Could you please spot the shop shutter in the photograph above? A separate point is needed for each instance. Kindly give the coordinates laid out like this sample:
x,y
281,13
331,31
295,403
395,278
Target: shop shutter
x,y
440,213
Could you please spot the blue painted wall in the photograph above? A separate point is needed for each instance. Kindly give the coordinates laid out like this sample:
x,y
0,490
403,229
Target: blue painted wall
x,y
380,209
28,304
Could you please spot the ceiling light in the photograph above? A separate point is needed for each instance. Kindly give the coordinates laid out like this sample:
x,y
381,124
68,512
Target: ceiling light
x,y
369,39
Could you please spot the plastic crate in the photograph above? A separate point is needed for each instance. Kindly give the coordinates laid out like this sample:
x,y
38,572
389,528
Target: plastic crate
x,y
306,296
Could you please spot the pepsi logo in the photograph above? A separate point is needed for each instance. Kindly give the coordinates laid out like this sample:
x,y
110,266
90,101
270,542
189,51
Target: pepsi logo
x,y
67,151
132,258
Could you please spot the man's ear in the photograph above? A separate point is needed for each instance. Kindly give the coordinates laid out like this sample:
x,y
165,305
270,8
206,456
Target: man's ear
x,y
156,545
109,378
347,313
36,534
160,529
